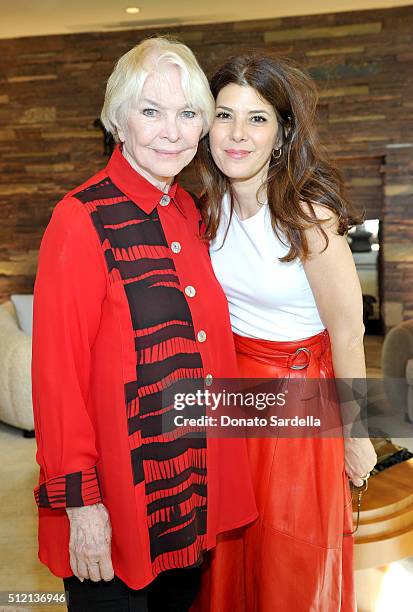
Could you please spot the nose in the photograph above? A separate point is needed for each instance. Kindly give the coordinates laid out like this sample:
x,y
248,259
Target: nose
x,y
171,128
238,130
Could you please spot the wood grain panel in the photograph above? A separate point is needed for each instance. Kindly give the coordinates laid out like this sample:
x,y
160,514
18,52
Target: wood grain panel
x,y
52,90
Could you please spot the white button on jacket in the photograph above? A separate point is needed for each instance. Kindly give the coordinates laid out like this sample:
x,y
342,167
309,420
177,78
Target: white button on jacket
x,y
201,335
164,201
190,291
208,379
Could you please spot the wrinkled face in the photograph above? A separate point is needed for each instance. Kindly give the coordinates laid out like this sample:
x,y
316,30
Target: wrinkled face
x,y
244,133
162,134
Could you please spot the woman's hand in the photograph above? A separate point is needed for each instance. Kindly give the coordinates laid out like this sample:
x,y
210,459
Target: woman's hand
x,y
360,458
90,542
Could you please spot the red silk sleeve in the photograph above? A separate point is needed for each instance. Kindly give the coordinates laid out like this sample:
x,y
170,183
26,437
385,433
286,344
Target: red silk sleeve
x,y
69,291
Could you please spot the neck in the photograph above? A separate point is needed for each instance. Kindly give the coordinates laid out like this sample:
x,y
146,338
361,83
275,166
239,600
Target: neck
x,y
245,191
162,183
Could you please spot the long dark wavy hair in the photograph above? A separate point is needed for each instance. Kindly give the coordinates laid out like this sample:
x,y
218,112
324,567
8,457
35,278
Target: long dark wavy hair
x,y
302,173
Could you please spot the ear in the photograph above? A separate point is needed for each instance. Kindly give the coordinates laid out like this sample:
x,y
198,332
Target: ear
x,y
122,128
286,130
121,134
283,130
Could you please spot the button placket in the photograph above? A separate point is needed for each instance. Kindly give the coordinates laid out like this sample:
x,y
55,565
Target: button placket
x,y
190,291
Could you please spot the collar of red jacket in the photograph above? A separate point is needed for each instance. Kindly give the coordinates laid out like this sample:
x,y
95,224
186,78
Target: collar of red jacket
x,y
135,186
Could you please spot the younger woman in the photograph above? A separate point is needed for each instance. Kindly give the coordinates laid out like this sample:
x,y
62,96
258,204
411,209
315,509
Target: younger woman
x,y
277,221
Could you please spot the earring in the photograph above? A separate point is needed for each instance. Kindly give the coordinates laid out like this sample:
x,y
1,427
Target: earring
x,y
278,153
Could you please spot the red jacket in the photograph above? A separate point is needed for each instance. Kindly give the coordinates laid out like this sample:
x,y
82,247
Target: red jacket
x,y
127,311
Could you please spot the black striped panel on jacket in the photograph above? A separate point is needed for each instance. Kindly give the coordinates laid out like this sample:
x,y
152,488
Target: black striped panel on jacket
x,y
171,462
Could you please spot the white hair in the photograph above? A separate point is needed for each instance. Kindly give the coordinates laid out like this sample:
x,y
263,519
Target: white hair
x,y
125,84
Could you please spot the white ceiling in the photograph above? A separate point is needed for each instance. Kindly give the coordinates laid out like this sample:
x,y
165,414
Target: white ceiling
x,y
38,17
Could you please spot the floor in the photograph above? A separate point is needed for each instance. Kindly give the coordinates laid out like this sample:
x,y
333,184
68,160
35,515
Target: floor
x,y
20,569
378,590
385,588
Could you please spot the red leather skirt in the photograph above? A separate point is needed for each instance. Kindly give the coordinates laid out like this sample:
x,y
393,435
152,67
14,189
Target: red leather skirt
x,y
295,556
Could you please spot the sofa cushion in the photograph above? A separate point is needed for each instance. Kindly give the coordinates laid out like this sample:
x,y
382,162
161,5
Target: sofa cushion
x,y
409,372
24,311
397,350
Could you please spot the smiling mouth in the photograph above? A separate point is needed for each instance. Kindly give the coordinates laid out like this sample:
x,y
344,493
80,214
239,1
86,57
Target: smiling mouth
x,y
237,153
166,153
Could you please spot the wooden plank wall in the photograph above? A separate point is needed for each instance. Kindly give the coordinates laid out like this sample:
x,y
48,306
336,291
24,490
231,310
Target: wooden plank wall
x,y
51,91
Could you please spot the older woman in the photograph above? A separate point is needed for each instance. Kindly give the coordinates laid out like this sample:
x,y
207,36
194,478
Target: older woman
x,y
277,220
127,313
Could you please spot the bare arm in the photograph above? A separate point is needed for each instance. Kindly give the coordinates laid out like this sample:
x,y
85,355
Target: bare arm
x,y
334,282
335,285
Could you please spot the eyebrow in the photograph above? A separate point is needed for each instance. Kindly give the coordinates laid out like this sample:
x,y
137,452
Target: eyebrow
x,y
153,103
250,112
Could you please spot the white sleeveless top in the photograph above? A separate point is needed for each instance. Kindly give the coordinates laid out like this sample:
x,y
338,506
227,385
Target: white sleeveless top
x,y
267,299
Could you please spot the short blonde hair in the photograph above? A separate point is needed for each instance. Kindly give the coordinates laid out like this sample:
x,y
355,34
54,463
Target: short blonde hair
x,y
125,84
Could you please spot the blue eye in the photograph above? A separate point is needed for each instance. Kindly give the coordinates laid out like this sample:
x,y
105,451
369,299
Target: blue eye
x,y
149,112
188,114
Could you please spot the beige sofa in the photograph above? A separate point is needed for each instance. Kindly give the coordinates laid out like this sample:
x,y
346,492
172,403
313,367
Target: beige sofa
x,y
397,365
15,372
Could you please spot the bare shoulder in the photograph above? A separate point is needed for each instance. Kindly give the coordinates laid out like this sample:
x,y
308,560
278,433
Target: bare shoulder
x,y
323,237
328,217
